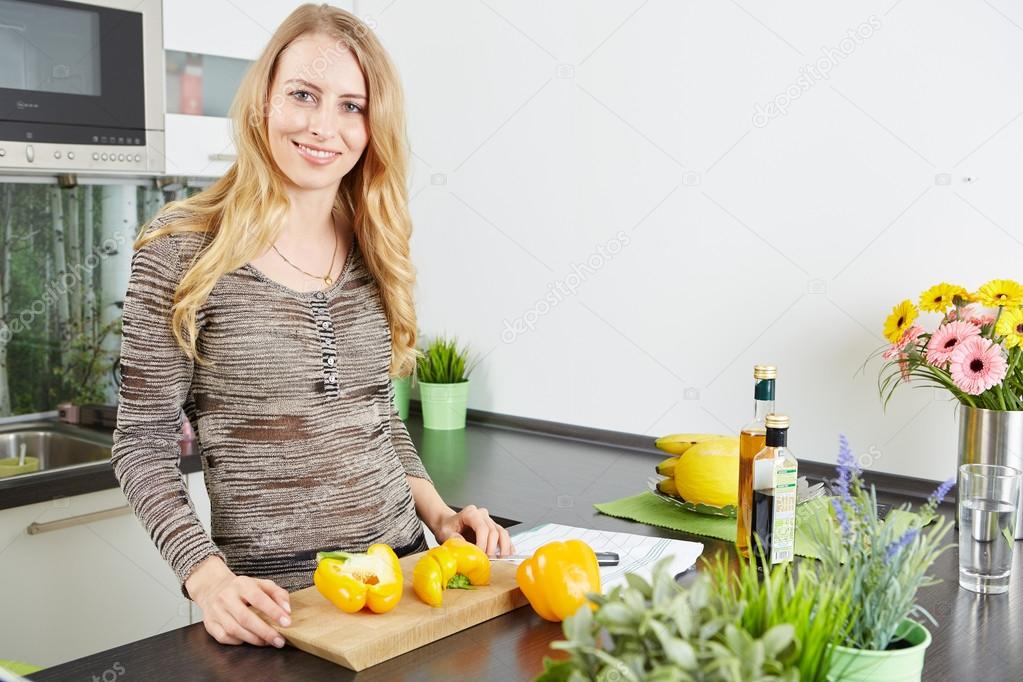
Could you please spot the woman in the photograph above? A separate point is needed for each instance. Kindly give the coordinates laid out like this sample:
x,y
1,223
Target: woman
x,y
274,308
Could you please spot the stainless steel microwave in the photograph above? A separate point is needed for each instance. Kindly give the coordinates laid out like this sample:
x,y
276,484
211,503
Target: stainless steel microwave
x,y
81,87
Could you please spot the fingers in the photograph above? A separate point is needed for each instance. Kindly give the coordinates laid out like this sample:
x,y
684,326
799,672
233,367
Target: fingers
x,y
490,537
229,620
504,541
218,633
259,596
250,627
277,593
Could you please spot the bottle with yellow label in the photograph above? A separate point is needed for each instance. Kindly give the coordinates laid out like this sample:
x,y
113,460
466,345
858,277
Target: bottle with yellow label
x,y
775,471
751,441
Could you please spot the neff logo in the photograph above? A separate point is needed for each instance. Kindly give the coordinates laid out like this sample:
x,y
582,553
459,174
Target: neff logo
x,y
110,674
27,105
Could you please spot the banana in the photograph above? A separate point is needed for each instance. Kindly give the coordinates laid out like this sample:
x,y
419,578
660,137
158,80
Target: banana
x,y
667,467
677,443
667,486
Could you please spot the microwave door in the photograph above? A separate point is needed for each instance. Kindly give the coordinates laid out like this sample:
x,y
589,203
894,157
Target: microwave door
x,y
14,56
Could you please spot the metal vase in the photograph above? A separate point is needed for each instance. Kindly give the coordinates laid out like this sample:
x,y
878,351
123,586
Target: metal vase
x,y
991,437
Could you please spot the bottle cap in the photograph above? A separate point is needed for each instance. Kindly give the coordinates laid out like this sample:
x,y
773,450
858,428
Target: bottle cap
x,y
765,372
776,421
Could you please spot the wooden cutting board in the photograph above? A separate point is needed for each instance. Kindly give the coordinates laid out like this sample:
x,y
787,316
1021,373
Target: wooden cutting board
x,y
360,640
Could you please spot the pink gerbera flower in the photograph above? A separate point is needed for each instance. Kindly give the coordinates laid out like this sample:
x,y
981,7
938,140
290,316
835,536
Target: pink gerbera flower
x,y
947,338
973,314
908,337
977,364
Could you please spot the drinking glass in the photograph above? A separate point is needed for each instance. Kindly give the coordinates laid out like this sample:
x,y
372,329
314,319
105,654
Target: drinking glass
x,y
988,495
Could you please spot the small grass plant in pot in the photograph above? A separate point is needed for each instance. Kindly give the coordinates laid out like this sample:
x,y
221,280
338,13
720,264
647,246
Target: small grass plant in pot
x,y
442,374
882,563
820,613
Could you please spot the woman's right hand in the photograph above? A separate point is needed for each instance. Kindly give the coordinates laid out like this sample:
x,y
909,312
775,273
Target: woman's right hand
x,y
225,599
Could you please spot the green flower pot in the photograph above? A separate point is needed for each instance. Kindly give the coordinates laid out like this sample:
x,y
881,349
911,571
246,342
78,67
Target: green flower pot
x,y
899,665
444,405
402,391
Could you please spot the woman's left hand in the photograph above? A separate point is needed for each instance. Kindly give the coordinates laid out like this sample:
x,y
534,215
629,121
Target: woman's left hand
x,y
475,525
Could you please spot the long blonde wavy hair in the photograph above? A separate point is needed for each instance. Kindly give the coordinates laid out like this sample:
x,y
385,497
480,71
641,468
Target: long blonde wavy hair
x,y
245,210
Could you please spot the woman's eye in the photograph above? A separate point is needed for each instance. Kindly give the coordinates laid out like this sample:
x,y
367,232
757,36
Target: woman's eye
x,y
301,95
356,109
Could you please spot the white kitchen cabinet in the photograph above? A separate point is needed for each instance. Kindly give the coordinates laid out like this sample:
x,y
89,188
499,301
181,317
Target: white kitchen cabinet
x,y
201,501
198,146
225,27
72,590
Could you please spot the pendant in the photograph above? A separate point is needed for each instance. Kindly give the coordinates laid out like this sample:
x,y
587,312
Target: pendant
x,y
328,280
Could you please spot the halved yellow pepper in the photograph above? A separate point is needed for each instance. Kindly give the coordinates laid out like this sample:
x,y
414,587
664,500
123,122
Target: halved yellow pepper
x,y
455,564
354,581
557,578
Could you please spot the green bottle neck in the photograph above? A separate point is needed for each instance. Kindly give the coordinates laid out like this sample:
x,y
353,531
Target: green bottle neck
x,y
763,399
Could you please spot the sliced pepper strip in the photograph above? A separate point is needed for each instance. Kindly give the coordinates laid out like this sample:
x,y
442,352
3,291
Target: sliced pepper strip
x,y
557,578
355,581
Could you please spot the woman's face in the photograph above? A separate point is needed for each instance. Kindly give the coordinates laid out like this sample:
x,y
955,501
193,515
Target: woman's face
x,y
316,114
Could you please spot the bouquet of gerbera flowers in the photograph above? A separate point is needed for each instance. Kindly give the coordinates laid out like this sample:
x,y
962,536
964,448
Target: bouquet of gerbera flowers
x,y
974,351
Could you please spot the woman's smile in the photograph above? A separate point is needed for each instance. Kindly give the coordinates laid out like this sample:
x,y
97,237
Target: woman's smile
x,y
315,155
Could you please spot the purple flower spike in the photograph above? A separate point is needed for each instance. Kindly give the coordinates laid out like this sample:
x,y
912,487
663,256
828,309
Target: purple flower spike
x,y
843,520
846,468
938,495
899,544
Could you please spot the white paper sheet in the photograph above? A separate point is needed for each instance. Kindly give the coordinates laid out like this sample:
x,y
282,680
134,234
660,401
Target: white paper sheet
x,y
637,553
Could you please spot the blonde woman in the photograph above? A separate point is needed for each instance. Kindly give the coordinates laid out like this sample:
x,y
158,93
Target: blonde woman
x,y
273,308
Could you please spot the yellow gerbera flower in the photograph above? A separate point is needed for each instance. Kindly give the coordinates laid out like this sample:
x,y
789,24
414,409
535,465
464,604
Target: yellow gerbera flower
x,y
941,297
898,322
1010,326
1000,292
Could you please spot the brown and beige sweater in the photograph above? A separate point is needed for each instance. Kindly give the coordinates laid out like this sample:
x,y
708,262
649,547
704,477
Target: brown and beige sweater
x,y
302,449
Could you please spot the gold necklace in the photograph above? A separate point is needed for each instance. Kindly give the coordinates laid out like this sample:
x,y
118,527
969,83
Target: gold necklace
x,y
327,279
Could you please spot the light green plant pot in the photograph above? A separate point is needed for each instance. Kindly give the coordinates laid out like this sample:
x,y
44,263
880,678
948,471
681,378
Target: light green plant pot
x,y
402,391
899,665
444,405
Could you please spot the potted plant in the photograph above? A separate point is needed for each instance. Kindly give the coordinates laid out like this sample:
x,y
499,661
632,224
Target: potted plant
x,y
819,612
882,564
660,631
443,379
974,353
402,394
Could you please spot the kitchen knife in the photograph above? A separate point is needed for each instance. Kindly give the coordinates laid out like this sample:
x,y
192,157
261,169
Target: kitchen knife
x,y
603,558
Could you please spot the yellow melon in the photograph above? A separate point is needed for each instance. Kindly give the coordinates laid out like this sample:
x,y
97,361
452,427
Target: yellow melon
x,y
708,473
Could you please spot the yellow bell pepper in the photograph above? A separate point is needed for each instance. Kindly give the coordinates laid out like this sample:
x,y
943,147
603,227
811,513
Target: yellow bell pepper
x,y
456,564
557,578
354,581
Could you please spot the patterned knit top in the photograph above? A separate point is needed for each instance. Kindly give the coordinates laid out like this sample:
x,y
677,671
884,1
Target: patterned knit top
x,y
302,449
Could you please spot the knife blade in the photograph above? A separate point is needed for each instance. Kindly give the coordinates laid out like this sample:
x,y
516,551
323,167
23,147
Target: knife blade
x,y
603,558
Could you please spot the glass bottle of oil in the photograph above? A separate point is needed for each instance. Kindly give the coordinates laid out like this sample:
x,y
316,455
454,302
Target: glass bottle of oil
x,y
774,493
751,441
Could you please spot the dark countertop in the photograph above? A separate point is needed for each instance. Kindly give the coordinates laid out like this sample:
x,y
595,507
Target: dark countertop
x,y
535,479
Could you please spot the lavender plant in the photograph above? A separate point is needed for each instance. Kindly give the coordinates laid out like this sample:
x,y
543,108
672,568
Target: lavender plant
x,y
884,563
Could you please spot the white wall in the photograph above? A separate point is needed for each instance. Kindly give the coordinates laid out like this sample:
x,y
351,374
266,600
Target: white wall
x,y
545,131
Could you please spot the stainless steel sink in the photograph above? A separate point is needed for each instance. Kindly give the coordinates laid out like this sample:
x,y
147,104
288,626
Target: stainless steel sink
x,y
57,445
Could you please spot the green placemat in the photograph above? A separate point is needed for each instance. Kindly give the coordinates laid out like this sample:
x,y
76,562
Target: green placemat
x,y
650,509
